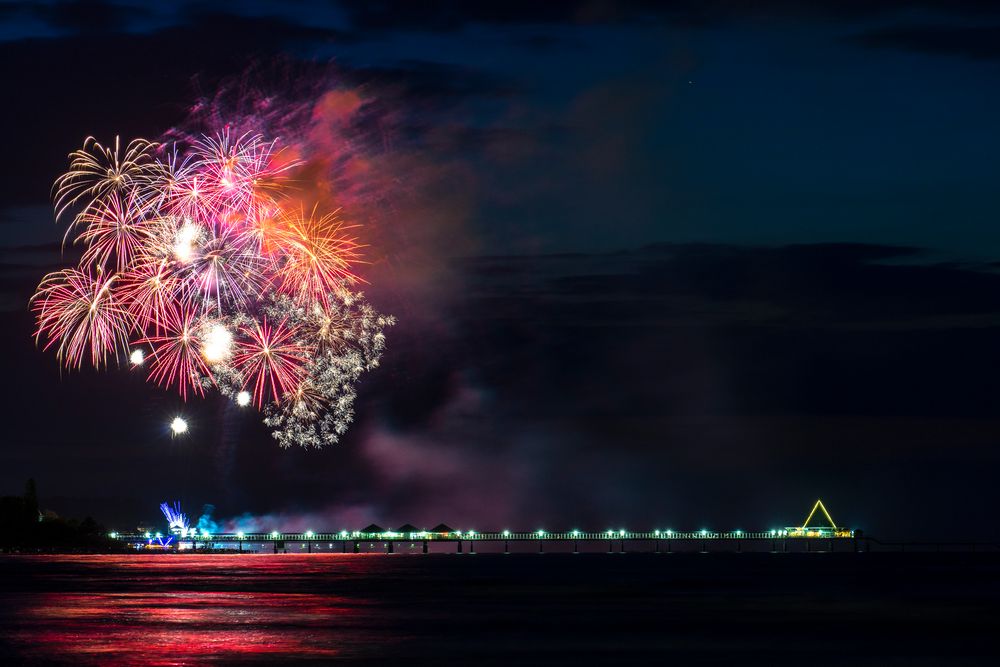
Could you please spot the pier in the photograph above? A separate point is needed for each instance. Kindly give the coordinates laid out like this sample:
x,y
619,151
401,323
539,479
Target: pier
x,y
818,533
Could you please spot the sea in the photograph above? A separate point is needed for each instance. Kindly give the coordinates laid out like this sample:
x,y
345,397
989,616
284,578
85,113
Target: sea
x,y
467,610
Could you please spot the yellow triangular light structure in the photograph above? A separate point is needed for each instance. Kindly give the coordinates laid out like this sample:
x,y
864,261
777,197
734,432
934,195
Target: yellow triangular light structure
x,y
805,530
819,506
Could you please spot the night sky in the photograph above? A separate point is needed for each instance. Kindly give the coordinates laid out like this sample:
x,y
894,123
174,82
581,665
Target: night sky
x,y
655,264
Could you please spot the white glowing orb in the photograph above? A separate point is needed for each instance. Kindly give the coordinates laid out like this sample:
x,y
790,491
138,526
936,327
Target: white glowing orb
x,y
218,344
137,357
243,399
184,242
178,426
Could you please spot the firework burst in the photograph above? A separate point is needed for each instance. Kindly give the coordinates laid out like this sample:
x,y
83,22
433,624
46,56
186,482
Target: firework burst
x,y
199,268
82,313
270,359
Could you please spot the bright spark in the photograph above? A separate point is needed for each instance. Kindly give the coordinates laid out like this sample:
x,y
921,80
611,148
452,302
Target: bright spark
x,y
178,426
184,242
137,357
217,345
243,399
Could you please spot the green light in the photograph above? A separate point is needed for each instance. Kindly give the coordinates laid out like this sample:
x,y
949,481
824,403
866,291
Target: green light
x,y
274,534
239,535
739,532
540,532
703,532
309,533
112,535
575,533
343,533
670,532
622,532
506,533
656,532
148,535
610,532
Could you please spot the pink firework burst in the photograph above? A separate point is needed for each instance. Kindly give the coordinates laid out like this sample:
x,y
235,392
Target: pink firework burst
x,y
271,359
115,229
176,352
226,271
81,312
151,293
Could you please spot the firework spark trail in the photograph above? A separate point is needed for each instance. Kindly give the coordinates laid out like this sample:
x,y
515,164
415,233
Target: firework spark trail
x,y
271,360
176,520
200,259
80,311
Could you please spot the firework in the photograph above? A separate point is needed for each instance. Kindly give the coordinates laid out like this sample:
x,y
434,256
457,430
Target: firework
x,y
82,312
199,268
318,255
177,354
271,360
177,521
96,170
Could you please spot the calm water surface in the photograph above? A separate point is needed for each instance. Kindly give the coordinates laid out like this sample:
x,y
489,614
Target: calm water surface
x,y
867,609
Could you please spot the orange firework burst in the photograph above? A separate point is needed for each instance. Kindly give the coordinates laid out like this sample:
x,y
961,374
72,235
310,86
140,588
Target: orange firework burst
x,y
316,255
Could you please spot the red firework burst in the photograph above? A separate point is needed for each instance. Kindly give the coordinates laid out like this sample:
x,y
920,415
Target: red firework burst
x,y
271,359
176,352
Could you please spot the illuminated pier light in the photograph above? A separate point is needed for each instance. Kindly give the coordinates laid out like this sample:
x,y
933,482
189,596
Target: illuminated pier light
x,y
824,530
817,525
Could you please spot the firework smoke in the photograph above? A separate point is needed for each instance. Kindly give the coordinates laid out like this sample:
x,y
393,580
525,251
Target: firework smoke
x,y
200,267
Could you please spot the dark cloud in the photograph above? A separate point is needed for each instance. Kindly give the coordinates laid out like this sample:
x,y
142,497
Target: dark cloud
x,y
367,18
89,16
454,15
977,42
420,80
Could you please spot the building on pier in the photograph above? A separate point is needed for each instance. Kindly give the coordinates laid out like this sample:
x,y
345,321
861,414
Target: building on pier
x,y
821,525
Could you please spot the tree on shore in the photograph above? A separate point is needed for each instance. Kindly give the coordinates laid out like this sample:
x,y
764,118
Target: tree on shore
x,y
24,528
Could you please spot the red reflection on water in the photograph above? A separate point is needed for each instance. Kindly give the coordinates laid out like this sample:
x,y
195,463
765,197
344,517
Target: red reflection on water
x,y
173,613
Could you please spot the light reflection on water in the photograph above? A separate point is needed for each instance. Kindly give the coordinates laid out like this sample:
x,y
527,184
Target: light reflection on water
x,y
163,629
492,609
169,610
